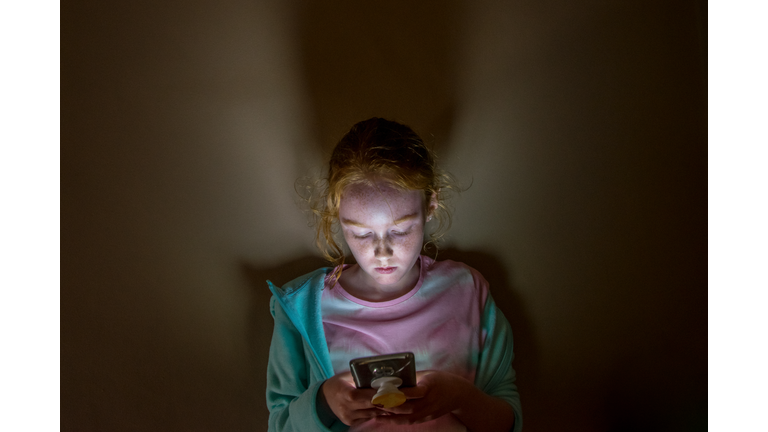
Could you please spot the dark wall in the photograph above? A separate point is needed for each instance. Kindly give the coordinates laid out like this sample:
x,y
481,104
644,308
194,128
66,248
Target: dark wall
x,y
581,127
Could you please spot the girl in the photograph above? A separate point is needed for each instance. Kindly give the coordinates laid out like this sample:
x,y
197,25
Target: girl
x,y
382,190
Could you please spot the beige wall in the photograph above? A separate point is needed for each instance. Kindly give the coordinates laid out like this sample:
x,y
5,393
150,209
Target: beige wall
x,y
580,125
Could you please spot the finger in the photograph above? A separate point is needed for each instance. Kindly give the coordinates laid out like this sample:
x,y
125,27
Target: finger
x,y
359,399
421,374
409,407
355,417
414,392
366,414
363,393
420,415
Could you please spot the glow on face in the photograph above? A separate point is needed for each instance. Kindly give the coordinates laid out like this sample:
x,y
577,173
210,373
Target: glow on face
x,y
384,229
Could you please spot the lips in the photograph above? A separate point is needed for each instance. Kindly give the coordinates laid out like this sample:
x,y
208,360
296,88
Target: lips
x,y
385,270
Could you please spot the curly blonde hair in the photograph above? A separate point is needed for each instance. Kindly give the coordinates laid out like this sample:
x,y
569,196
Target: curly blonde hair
x,y
377,149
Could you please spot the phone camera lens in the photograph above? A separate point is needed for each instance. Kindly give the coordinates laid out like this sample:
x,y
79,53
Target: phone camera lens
x,y
383,371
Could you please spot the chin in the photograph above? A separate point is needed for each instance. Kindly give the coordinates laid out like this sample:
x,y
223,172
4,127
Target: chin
x,y
386,279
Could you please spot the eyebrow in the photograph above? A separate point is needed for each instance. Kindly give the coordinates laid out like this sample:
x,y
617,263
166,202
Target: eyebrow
x,y
397,222
406,218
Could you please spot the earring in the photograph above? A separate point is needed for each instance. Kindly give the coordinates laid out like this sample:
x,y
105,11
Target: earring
x,y
429,218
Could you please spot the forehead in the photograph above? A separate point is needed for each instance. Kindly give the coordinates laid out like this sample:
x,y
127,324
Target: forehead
x,y
380,197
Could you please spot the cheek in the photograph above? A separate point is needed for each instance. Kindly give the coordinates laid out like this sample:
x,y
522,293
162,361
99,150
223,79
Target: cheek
x,y
357,245
410,243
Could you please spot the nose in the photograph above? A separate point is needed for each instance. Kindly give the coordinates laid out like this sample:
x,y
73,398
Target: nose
x,y
382,248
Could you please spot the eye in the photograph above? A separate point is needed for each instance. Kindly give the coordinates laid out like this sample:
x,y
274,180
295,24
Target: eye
x,y
400,233
361,236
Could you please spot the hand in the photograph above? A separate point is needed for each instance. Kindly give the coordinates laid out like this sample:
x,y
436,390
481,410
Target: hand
x,y
436,394
350,404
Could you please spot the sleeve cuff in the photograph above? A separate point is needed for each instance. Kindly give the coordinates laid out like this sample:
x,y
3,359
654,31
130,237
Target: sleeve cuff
x,y
324,412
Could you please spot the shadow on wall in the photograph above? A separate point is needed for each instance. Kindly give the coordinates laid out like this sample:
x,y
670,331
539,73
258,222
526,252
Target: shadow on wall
x,y
395,60
526,357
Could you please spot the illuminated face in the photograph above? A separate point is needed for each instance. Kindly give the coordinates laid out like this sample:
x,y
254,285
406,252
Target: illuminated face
x,y
384,228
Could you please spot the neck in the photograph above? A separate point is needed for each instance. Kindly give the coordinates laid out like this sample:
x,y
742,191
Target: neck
x,y
359,284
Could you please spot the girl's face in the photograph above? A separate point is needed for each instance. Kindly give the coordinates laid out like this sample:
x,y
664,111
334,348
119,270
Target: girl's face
x,y
384,228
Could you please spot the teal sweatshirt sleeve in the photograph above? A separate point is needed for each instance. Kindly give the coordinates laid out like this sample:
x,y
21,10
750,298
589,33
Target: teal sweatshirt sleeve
x,y
495,376
291,397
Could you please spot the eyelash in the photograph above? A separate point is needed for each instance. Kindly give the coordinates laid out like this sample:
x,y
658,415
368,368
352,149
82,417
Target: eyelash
x,y
397,233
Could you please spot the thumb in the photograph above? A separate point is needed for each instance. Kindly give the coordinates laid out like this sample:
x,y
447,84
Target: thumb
x,y
414,392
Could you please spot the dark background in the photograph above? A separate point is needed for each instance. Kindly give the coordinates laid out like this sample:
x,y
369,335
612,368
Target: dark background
x,y
580,126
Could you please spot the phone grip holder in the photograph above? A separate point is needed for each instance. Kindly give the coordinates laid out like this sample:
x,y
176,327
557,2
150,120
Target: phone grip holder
x,y
388,395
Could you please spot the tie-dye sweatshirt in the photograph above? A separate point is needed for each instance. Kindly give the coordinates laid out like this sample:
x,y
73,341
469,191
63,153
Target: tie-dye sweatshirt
x,y
438,321
449,321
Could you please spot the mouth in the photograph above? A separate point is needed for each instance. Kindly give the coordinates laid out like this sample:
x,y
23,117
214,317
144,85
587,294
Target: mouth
x,y
385,270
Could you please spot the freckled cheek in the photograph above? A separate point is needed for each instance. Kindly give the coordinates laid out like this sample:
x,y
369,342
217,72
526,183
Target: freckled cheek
x,y
408,244
359,246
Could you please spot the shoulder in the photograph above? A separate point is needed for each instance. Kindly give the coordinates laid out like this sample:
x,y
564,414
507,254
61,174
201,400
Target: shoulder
x,y
451,268
455,272
314,280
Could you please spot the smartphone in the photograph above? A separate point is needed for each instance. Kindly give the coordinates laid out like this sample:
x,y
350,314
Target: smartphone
x,y
366,369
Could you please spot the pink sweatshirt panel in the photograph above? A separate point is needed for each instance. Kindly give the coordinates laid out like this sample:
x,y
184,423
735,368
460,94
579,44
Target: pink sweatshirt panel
x,y
438,321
